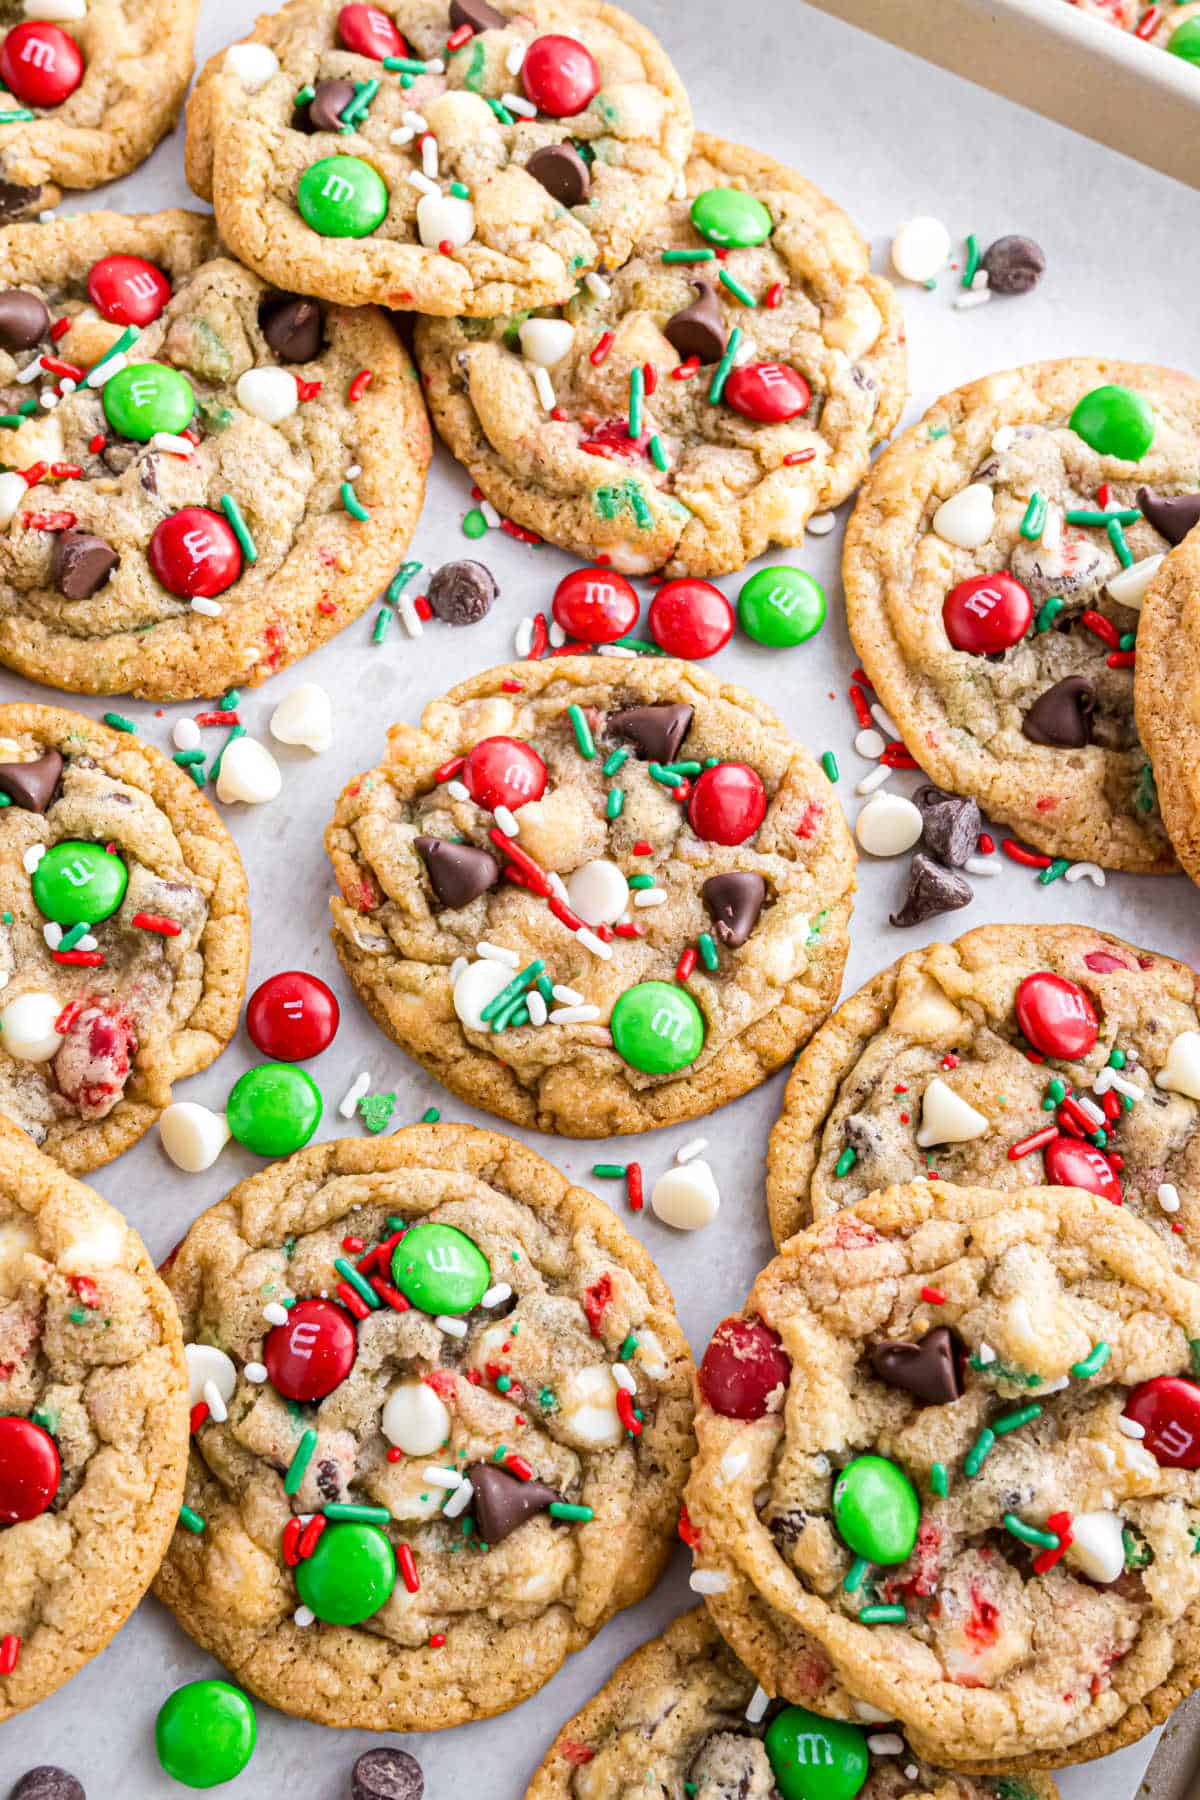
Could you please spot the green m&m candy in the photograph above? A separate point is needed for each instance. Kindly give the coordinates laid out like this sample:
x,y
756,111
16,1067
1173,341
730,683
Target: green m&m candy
x,y
440,1270
274,1109
1115,421
781,607
876,1509
148,397
816,1759
728,216
205,1733
349,1575
342,196
1186,41
657,1027
79,884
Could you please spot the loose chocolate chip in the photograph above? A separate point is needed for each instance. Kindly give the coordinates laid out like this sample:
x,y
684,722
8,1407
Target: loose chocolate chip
x,y
562,172
952,824
24,319
931,890
930,1370
16,201
1013,264
477,14
48,1783
462,592
324,111
31,785
735,901
502,1502
458,873
1172,515
656,732
81,563
387,1775
698,328
291,326
1062,716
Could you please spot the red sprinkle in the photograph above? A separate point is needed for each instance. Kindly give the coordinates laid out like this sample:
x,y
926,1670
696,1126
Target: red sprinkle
x,y
625,1413
649,378
540,640
629,929
359,386
10,1650
65,471
1036,1141
1103,628
1121,659
97,444
156,922
642,848
80,959
450,769
395,1454
933,1296
352,1301
533,872
310,1534
408,1568
197,1416
60,328
459,37
1030,859
390,1295
601,348
56,366
516,1465
292,1533
686,369
34,473
862,710
897,757
595,1299
439,1637
773,296
217,718
686,964
520,533
987,844
1148,24
511,687
51,521
307,390
794,457
422,607
687,1530
353,1246
1060,1524
633,1186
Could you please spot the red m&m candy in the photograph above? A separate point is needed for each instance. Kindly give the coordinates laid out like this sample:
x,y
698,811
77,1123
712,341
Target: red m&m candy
x,y
292,1016
1056,1015
369,32
767,391
744,1366
30,1470
728,803
194,551
127,290
39,64
503,771
987,614
691,618
1168,1410
559,75
1070,1163
313,1352
596,605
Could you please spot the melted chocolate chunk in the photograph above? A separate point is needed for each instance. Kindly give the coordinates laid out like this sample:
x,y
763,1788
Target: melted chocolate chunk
x,y
81,563
386,1774
952,824
931,890
461,593
931,1369
698,328
323,113
1062,716
291,326
656,732
735,901
1172,515
31,785
561,170
24,319
1013,265
477,14
458,873
502,1502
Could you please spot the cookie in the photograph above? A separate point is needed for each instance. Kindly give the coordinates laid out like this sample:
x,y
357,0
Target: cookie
x,y
1166,693
994,568
214,477
633,423
1172,28
460,1450
594,895
949,1469
93,1423
124,933
465,160
86,99
685,1707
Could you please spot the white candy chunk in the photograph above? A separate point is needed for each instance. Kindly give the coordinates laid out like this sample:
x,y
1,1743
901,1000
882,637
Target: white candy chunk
x,y
888,825
598,892
1182,1072
206,1363
186,735
269,394
253,64
587,1413
27,1027
17,1239
1097,1547
546,341
13,489
920,249
479,982
946,1118
414,1419
1128,586
966,518
248,772
445,219
686,1196
62,11
192,1135
101,1246
305,717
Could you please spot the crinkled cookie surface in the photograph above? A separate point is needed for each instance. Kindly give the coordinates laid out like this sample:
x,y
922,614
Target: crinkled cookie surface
x,y
1167,692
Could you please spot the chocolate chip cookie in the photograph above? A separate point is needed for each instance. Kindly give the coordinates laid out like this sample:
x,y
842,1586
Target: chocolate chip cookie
x,y
443,1421
124,933
949,1469
698,404
1165,691
93,1422
994,569
594,895
463,159
208,478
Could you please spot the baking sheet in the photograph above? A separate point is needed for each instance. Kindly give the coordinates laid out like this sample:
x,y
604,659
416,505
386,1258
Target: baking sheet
x,y
890,137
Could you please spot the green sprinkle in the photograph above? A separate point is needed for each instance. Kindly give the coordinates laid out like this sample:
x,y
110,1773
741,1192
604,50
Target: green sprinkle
x,y
460,190
70,938
300,1461
409,65
708,951
684,768
383,621
503,1383
971,261
430,1116
1029,1534
1127,640
515,990
1048,613
625,1353
938,431
1138,1554
306,93
658,455
501,112
547,1399
46,1417
1034,522
939,1481
643,517
855,1575
545,988
1128,516
353,504
359,1283
641,881
229,699
119,722
400,580
1057,1091
394,1224
562,1509
637,399
688,256
882,1615
127,338
191,1521
77,1315
17,116
364,93
238,526
1093,1362
1146,793
235,731
846,1160
474,524
614,761
366,1515
1054,871
736,289
375,1111
829,763
609,1171
717,387
584,740
515,1013
641,645
1013,1421
977,1455
1116,538
664,776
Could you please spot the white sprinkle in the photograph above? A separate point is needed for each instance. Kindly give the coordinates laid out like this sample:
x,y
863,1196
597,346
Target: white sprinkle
x,y
759,1701
33,857
574,1015
623,1378
275,1314
455,1328
459,1500
1086,871
450,1479
30,372
911,1772
679,191
410,618
414,120
218,1412
353,472
597,286
567,995
874,780
496,1296
457,791
497,953
596,945
211,609
559,889
870,743
1130,1089
174,446
986,1354
1052,530
1091,1112
456,968
517,103
693,1147
304,1616
67,386
884,720
105,371
708,1581
556,634
975,297
1168,1196
1054,1387
429,157
403,135
434,66
186,735
1129,1427
53,934
255,1372
745,352
650,897
523,640
885,1743
982,865
821,524
544,386
821,1463
354,1094
422,183
48,399
506,821
490,514
615,650
514,57
537,1007
732,1464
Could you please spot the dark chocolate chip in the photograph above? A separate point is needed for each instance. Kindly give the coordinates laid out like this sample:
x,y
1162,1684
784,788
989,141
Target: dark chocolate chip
x,y
1062,716
291,326
931,1369
1013,264
562,172
458,873
324,111
31,785
656,732
24,319
502,1502
148,474
952,824
735,901
1172,515
81,563
386,1774
477,14
16,201
698,328
461,593
931,890
48,1783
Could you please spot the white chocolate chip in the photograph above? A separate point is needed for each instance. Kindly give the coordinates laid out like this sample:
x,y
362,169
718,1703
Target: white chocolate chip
x,y
192,1135
920,249
13,489
1097,1546
546,341
253,64
708,1581
186,735
966,518
61,11
479,982
587,1414
27,1027
686,1196
268,394
444,219
598,892
415,1419
946,1118
1128,586
888,825
1182,1072
248,773
208,1366
305,717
